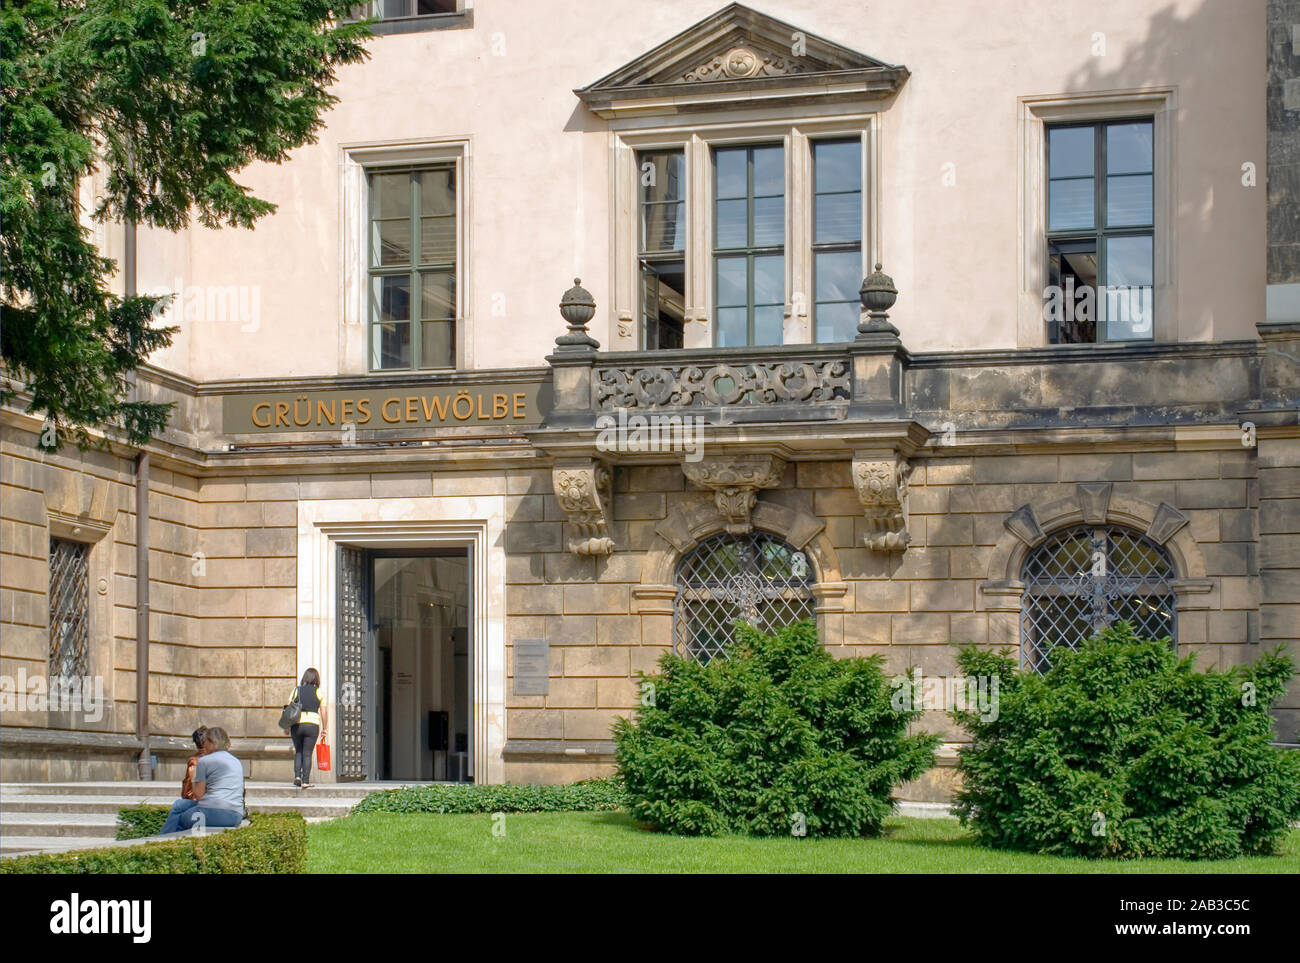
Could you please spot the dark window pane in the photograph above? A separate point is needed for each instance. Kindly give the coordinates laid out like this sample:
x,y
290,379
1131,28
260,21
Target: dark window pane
x,y
663,303
733,282
731,224
729,172
1127,307
390,345
1128,200
769,170
838,217
664,226
393,298
435,6
732,327
1070,151
1128,148
438,192
662,175
769,221
1070,308
768,324
390,242
437,295
837,166
437,344
1070,204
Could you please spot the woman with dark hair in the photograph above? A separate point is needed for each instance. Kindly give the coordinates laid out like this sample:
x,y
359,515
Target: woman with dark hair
x,y
187,784
309,727
217,793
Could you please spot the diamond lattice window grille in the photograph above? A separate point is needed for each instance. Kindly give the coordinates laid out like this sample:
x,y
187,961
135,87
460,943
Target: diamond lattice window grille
x,y
1083,579
69,608
755,577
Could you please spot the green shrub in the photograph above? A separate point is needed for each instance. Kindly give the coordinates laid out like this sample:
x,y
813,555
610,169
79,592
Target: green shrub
x,y
778,729
271,844
1123,749
141,821
586,796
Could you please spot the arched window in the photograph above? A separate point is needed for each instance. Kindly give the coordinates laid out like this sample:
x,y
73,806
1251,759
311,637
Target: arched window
x,y
756,577
1082,579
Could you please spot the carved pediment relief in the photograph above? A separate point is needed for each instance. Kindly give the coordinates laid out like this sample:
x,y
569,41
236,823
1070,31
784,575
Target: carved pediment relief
x,y
738,49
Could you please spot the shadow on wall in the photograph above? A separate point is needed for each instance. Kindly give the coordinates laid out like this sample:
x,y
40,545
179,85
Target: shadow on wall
x,y
1218,202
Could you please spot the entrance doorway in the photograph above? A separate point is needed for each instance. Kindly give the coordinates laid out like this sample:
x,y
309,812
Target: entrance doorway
x,y
404,665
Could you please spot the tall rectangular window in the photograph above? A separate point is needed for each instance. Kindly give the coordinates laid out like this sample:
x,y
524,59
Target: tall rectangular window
x,y
662,243
69,608
837,238
413,269
749,245
1100,231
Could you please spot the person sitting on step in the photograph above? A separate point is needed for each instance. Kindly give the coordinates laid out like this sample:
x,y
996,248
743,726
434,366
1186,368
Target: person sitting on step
x,y
218,788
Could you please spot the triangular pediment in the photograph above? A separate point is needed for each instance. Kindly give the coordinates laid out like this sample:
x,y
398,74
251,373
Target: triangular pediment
x,y
740,51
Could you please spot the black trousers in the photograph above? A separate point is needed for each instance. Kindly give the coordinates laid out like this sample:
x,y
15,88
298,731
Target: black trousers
x,y
304,736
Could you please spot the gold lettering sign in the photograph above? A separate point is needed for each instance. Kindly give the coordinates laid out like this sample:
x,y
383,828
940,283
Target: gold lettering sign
x,y
387,407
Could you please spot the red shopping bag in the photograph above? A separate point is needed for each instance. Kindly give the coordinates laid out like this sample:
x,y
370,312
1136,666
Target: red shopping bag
x,y
323,757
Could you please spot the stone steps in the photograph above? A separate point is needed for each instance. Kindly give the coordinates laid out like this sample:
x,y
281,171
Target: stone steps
x,y
56,817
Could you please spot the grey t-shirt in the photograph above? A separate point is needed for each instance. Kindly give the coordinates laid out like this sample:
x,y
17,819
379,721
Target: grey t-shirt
x,y
224,777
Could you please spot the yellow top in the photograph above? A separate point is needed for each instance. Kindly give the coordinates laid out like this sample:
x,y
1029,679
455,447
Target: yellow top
x,y
309,718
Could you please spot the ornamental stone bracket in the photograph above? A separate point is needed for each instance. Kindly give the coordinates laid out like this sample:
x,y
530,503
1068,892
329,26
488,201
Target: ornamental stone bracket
x,y
881,483
735,481
584,489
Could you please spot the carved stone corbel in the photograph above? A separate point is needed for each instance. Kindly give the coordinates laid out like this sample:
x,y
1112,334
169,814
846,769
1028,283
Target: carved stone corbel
x,y
882,488
735,481
584,490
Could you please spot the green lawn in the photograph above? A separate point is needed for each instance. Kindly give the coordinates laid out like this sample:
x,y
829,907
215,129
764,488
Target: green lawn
x,y
611,843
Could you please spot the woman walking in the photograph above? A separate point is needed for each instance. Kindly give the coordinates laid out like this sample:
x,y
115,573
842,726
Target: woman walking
x,y
309,727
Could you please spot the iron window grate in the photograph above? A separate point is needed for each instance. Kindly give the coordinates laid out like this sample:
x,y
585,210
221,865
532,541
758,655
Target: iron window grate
x,y
755,577
69,608
1083,579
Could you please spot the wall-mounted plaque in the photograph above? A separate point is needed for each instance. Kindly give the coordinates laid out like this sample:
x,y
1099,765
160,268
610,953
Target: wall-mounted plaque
x,y
532,667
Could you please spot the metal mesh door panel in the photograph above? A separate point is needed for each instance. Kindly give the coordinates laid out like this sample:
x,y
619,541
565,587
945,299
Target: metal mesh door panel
x,y
69,608
353,664
755,577
1083,579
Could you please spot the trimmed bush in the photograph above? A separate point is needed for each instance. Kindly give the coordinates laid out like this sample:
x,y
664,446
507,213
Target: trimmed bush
x,y
777,737
1123,750
271,844
141,821
587,796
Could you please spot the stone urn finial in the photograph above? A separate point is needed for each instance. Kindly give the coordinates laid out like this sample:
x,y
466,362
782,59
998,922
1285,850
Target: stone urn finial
x,y
878,295
577,307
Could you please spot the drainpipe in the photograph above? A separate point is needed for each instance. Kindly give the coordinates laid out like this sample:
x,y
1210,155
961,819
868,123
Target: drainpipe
x,y
145,762
142,612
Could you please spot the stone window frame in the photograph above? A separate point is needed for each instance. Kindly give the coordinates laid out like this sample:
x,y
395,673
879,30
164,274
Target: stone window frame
x,y
697,138
1002,593
101,644
1035,114
687,526
356,161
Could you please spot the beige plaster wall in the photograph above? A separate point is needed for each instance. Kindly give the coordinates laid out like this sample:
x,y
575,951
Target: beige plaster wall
x,y
539,190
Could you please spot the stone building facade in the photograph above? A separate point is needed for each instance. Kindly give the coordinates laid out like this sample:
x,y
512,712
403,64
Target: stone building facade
x,y
912,478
